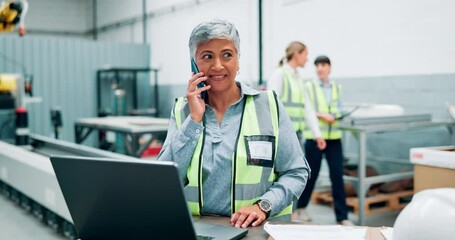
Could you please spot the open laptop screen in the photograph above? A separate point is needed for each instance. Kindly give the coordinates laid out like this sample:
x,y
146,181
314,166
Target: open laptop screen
x,y
118,199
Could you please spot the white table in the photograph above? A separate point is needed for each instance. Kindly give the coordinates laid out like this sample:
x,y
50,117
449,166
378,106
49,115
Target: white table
x,y
130,128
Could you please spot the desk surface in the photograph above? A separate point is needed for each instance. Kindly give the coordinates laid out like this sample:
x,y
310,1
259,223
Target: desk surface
x,y
126,124
256,233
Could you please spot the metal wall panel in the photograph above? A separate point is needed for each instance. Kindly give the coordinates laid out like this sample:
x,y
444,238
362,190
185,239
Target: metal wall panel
x,y
64,73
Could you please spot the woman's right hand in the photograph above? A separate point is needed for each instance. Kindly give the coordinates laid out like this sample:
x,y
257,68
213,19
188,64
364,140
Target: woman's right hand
x,y
193,95
326,117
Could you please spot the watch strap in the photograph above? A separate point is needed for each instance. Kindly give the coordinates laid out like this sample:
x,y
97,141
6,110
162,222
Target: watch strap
x,y
267,213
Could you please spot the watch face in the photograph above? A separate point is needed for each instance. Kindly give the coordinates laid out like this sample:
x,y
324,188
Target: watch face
x,y
265,205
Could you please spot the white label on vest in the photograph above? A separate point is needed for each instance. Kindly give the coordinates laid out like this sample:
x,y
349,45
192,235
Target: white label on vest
x,y
260,150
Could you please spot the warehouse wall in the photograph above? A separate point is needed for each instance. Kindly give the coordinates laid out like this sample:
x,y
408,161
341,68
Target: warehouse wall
x,y
111,11
64,15
64,74
377,47
169,32
366,38
423,93
58,18
391,52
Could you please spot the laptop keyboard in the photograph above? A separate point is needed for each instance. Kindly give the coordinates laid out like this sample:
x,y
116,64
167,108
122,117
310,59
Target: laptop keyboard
x,y
201,237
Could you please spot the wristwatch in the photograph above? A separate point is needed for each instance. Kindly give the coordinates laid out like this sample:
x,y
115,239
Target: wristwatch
x,y
265,206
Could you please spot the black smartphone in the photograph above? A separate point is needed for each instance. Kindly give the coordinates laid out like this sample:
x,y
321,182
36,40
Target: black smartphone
x,y
195,70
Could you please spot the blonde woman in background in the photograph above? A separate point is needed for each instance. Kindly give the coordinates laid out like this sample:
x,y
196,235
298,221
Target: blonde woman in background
x,y
290,88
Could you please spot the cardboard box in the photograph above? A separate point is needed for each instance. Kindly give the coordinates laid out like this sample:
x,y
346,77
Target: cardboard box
x,y
426,177
434,167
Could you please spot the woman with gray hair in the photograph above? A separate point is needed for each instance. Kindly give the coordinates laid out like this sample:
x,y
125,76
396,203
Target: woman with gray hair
x,y
236,149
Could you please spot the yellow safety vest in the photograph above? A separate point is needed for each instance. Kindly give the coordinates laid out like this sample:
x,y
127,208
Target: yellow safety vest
x,y
317,98
293,99
249,181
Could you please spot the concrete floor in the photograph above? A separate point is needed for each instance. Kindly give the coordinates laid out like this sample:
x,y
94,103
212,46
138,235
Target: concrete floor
x,y
323,214
16,223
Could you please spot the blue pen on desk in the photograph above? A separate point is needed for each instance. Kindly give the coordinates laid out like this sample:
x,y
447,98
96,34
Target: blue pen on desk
x,y
195,70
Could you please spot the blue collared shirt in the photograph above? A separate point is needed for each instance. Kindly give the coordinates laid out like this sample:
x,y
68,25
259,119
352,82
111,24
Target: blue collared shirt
x,y
290,165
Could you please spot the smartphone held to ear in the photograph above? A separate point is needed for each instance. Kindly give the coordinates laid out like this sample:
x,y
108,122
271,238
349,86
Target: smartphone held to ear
x,y
195,70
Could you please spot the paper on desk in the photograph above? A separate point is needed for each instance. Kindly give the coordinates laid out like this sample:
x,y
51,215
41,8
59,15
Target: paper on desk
x,y
387,233
312,232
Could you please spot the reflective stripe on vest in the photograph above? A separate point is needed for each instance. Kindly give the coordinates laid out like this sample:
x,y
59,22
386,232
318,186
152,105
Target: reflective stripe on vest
x,y
249,182
293,100
192,192
319,101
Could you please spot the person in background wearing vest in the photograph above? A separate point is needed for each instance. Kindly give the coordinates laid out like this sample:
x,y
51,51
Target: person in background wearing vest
x,y
325,96
290,88
236,150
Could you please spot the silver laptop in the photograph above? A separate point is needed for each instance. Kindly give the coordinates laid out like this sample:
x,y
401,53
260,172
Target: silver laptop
x,y
119,199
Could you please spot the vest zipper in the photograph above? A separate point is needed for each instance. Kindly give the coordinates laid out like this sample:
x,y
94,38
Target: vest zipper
x,y
330,125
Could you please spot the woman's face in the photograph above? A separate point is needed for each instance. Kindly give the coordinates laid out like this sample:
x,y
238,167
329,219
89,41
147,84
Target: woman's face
x,y
218,59
301,58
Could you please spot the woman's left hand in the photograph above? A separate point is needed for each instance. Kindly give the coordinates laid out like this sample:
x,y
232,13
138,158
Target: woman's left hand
x,y
320,142
248,215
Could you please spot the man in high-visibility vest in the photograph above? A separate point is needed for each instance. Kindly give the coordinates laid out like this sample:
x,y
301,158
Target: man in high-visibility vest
x,y
325,95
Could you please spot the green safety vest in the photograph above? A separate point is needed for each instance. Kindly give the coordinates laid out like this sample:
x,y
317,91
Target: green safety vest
x,y
249,182
293,99
317,98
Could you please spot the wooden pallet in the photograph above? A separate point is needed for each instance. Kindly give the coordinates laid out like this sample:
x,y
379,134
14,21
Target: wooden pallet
x,y
387,201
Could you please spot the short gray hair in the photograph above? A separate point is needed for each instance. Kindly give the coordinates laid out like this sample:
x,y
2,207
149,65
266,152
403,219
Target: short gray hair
x,y
214,29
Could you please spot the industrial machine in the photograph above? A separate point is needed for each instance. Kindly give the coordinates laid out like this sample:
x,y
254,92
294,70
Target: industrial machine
x,y
11,98
15,94
26,174
27,178
7,106
12,14
125,92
